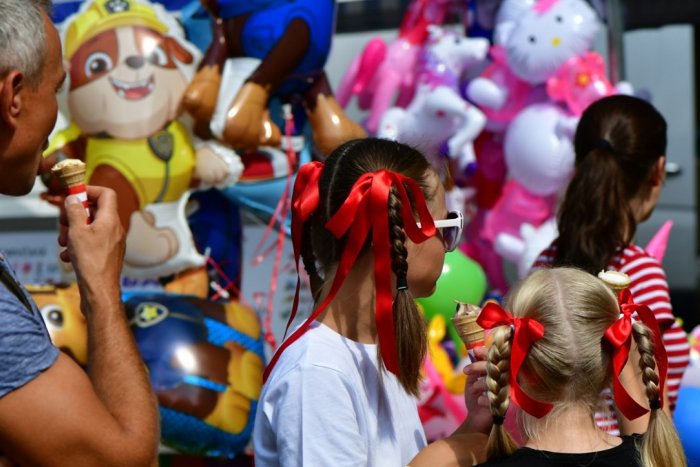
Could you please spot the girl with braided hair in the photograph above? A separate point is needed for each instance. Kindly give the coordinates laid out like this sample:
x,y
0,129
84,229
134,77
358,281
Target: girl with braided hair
x,y
372,229
620,146
566,340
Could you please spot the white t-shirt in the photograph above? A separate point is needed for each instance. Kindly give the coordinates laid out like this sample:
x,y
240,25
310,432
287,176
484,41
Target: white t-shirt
x,y
326,403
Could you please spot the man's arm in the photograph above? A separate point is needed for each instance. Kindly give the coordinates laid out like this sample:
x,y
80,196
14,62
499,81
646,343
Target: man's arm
x,y
108,417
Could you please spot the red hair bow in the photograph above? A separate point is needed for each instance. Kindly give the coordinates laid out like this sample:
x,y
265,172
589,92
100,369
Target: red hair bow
x,y
619,335
367,209
526,331
305,199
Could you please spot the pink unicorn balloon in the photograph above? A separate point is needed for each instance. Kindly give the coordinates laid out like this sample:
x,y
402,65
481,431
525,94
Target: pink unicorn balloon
x,y
380,72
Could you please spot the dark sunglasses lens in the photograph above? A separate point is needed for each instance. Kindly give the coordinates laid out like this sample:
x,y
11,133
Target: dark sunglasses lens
x,y
449,237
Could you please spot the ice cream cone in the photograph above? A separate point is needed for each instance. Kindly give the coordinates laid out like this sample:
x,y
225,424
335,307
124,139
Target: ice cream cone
x,y
617,281
465,321
71,172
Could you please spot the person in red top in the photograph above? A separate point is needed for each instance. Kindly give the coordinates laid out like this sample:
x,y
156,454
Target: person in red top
x,y
620,147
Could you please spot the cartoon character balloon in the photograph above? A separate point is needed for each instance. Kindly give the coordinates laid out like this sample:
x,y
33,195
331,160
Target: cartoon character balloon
x,y
263,49
205,362
60,309
382,72
438,116
129,68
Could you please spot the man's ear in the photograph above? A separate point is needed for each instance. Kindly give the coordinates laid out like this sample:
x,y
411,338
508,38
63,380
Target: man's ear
x,y
658,174
10,97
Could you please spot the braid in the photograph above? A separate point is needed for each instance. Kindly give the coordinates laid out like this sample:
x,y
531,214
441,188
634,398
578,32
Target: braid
x,y
409,327
647,364
660,444
500,443
307,256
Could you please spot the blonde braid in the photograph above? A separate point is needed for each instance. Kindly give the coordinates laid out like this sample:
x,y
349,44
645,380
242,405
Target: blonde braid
x,y
660,444
500,443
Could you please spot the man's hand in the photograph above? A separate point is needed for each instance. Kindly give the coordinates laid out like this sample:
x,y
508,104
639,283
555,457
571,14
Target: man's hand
x,y
95,249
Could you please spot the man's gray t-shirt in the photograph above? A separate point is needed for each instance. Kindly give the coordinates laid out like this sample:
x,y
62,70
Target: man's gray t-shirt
x,y
25,346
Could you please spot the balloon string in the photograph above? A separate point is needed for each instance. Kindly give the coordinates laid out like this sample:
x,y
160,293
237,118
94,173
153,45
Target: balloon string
x,y
281,212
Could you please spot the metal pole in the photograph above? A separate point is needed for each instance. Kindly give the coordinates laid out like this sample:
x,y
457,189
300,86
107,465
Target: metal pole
x,y
616,49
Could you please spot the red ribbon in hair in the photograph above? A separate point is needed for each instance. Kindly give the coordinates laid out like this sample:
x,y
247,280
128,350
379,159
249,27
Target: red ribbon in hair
x,y
367,209
619,335
526,331
304,203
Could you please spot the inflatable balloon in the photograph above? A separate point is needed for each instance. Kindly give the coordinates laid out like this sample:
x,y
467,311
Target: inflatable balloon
x,y
687,423
263,49
129,67
60,309
525,248
438,116
205,362
540,158
582,81
441,405
382,72
461,279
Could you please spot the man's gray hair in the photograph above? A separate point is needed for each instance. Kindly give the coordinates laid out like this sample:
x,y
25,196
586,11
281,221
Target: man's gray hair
x,y
22,37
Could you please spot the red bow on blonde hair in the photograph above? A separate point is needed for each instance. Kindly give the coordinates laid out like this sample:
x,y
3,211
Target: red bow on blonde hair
x,y
526,331
365,209
619,335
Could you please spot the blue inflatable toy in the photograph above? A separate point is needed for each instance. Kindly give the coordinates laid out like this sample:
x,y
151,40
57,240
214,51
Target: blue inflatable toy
x,y
687,420
205,362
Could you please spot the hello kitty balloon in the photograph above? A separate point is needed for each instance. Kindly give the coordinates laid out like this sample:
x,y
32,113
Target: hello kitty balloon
x,y
533,40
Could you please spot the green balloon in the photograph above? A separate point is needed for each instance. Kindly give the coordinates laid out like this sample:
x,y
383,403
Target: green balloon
x,y
462,279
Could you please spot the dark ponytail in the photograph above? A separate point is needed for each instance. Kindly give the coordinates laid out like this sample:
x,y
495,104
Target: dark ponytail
x,y
618,143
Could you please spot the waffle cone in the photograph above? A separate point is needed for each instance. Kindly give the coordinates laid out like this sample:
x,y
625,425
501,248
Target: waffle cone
x,y
72,174
616,280
469,330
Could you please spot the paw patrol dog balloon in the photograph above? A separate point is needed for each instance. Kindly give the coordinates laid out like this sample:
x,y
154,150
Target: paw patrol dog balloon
x,y
128,70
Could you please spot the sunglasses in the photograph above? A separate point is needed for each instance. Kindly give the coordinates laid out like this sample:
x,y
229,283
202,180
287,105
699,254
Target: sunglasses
x,y
450,229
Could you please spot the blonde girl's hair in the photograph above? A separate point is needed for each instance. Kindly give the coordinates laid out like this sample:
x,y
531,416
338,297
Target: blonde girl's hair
x,y
660,446
571,364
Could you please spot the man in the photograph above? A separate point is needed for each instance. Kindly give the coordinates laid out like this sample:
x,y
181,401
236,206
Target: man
x,y
51,412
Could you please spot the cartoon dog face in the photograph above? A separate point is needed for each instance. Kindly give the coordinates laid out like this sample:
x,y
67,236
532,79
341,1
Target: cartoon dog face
x,y
125,82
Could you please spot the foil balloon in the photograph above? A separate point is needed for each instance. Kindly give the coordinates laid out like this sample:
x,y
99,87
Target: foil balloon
x,y
461,279
441,404
263,49
438,117
382,72
60,309
582,81
129,67
687,423
533,39
205,362
540,157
